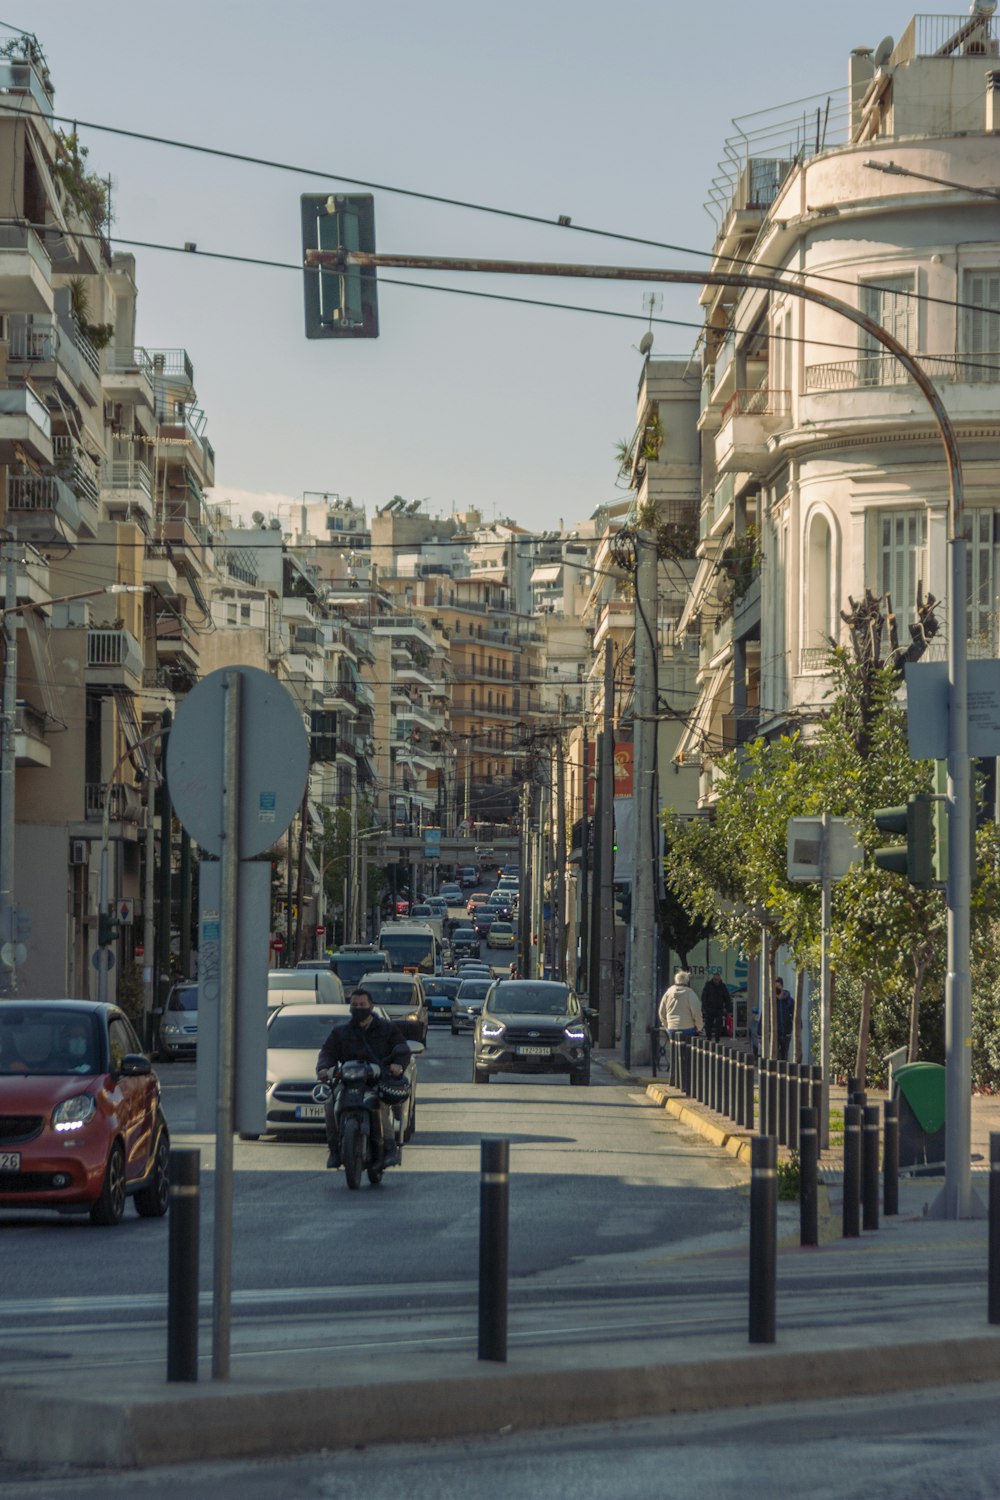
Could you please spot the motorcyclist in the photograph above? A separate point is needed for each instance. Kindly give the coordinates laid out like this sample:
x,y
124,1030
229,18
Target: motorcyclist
x,y
364,1038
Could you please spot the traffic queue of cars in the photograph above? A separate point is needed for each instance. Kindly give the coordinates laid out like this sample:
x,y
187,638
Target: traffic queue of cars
x,y
81,1124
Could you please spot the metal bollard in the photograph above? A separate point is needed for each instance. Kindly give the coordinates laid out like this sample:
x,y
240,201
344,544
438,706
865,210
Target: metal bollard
x,y
782,1071
727,1083
698,1067
762,1070
182,1270
749,1082
852,1171
808,1133
993,1296
890,1158
763,1237
494,1218
869,1172
795,1102
772,1096
717,1077
684,1043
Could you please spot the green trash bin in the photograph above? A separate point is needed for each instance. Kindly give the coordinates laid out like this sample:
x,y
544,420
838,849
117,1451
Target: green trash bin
x,y
919,1087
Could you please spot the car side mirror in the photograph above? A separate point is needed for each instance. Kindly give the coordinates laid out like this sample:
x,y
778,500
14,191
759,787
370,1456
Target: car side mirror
x,y
134,1065
590,1014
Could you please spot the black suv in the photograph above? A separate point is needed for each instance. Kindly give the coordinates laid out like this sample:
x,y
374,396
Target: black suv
x,y
532,1026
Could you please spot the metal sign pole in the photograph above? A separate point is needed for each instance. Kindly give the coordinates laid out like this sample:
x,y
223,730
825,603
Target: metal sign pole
x,y
826,905
223,1229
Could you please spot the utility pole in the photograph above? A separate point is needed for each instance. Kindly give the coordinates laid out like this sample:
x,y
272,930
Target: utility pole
x,y
355,922
8,751
162,975
602,990
560,863
642,969
524,904
583,941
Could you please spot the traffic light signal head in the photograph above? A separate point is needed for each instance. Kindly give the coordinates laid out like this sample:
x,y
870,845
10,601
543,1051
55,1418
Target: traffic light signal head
x,y
107,928
623,903
915,858
339,304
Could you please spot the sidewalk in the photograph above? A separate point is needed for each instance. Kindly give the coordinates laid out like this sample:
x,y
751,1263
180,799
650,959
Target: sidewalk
x,y
900,1309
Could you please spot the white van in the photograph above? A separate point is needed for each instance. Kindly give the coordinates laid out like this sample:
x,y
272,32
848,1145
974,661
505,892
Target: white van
x,y
302,987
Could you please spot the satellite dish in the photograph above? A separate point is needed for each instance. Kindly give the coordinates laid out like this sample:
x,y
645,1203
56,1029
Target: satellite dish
x,y
884,51
645,343
275,524
258,518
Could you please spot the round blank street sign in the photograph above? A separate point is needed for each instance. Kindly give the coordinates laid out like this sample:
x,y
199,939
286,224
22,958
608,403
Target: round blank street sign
x,y
274,760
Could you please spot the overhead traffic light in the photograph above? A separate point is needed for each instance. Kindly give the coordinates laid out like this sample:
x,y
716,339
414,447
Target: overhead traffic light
x,y
339,304
915,858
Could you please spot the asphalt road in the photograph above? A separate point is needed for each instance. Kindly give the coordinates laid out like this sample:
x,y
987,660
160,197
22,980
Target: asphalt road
x,y
936,1445
603,1186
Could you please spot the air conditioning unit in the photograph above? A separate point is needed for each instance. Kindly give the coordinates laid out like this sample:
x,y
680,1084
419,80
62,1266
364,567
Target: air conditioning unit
x,y
78,851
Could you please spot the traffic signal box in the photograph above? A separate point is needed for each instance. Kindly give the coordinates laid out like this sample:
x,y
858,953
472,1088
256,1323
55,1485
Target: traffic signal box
x,y
107,928
339,304
915,858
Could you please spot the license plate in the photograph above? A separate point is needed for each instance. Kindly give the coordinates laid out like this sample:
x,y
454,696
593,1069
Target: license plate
x,y
10,1161
533,1051
310,1112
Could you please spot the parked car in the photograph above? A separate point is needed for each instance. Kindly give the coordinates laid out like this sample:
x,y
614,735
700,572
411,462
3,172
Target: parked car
x,y
465,942
500,935
303,986
468,1003
452,894
295,1034
81,1128
179,1023
403,999
468,877
532,1026
439,993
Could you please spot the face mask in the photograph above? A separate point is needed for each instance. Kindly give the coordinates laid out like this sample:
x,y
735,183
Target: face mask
x,y
78,1046
360,1013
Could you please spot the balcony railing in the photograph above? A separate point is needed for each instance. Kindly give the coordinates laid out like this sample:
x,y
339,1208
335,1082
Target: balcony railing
x,y
756,401
114,648
21,76
948,36
20,237
123,804
78,468
43,492
739,729
21,400
172,364
125,361
871,370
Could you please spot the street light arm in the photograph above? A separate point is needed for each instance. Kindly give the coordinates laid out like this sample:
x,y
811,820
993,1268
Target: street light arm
x,y
111,588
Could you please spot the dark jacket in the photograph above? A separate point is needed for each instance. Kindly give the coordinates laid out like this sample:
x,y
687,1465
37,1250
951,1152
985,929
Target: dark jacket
x,y
715,996
785,1008
380,1041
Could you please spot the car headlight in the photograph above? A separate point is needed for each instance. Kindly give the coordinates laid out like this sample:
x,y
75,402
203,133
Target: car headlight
x,y
74,1114
492,1029
269,1085
413,1016
170,1029
575,1034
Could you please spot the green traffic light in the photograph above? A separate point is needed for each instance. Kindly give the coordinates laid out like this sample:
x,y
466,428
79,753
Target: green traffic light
x,y
914,859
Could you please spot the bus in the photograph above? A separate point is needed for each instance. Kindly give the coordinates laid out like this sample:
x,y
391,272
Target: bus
x,y
412,947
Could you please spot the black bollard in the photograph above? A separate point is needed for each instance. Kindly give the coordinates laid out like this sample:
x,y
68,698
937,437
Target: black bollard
x,y
782,1103
697,1067
993,1298
794,1104
727,1083
717,1077
749,1082
808,1175
763,1237
684,1043
182,1272
816,1088
494,1184
890,1158
772,1096
869,1152
852,1171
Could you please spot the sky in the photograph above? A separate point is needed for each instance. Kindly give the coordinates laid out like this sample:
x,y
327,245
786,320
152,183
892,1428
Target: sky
x,y
613,115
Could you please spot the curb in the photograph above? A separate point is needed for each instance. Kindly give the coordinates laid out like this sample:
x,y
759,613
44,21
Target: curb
x,y
174,1426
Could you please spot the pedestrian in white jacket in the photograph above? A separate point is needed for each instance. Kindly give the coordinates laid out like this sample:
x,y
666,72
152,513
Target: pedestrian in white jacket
x,y
679,1012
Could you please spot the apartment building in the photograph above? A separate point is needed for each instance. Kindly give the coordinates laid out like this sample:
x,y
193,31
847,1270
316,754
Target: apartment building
x,y
823,473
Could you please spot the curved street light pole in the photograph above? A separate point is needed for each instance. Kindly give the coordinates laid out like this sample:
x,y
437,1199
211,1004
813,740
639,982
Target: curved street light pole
x,y
956,1200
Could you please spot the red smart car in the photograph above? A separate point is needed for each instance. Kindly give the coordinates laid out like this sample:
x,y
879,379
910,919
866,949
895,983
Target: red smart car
x,y
81,1127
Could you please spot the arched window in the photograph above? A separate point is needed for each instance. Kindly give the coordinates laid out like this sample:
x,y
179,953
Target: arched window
x,y
819,625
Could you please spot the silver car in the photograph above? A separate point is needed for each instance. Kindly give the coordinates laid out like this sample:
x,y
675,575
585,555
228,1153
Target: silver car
x,y
179,1023
295,1034
468,1003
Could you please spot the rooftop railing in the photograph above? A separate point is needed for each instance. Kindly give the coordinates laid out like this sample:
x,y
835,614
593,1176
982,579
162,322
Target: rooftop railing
x,y
882,369
948,36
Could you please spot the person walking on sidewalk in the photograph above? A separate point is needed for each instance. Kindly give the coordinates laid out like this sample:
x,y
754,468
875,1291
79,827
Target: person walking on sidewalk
x,y
784,1009
679,1011
715,1005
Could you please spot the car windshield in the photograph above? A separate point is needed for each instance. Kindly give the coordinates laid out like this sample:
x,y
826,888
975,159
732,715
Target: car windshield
x,y
393,991
519,999
56,1042
353,966
303,1033
463,934
501,927
473,989
440,986
185,998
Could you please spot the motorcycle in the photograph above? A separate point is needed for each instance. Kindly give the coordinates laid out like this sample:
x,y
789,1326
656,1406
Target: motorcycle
x,y
363,1096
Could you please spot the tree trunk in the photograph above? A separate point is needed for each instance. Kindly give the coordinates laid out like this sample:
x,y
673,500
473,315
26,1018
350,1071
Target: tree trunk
x,y
864,1026
918,984
800,984
772,1009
